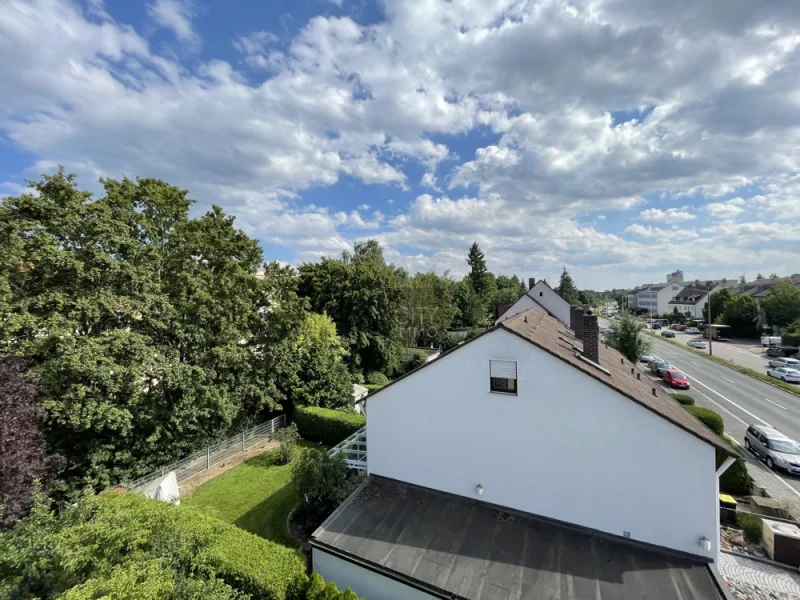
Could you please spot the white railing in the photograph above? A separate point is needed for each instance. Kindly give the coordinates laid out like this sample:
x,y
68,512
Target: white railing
x,y
354,449
211,455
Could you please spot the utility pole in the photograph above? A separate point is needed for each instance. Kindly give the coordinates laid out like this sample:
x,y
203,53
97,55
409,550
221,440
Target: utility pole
x,y
710,332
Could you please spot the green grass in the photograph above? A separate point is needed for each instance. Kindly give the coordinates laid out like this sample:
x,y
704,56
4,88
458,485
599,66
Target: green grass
x,y
736,367
256,496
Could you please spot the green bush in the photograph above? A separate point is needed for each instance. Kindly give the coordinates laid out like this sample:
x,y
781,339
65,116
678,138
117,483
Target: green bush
x,y
684,399
751,527
287,439
322,482
709,418
736,480
791,339
327,425
373,387
377,378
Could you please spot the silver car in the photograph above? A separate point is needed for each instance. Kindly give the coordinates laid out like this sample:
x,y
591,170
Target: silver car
x,y
782,361
773,447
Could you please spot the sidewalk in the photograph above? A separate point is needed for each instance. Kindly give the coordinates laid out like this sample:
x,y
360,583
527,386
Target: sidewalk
x,y
755,579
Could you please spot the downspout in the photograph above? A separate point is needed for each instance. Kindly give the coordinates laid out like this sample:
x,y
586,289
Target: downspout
x,y
726,464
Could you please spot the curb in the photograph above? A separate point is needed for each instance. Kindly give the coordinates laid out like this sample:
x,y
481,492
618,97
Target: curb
x,y
768,561
722,364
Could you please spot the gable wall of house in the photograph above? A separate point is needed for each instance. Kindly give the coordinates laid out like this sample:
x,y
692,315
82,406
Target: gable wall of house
x,y
524,303
545,296
667,293
567,447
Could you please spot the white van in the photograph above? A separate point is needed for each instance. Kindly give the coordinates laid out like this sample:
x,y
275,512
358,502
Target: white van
x,y
770,340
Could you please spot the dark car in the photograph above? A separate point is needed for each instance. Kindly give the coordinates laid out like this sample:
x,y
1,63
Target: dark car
x,y
668,333
776,351
659,367
656,326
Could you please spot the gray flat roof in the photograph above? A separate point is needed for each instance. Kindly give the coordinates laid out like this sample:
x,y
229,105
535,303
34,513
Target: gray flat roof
x,y
458,547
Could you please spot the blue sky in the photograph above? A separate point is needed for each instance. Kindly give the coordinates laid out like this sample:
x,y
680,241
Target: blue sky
x,y
621,139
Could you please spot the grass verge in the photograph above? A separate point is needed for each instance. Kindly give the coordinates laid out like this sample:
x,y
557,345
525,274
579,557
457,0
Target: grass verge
x,y
732,365
256,496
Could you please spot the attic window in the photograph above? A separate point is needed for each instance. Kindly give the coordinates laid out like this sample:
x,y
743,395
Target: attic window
x,y
503,376
540,294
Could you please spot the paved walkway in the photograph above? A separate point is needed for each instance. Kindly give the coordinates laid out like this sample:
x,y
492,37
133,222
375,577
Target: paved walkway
x,y
762,575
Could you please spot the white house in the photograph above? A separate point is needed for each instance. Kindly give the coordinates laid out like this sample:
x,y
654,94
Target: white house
x,y
540,297
691,301
523,463
655,297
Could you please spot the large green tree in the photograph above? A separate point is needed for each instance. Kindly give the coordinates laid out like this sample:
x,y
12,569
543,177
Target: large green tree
x,y
472,310
741,313
718,300
624,335
782,303
566,288
508,290
428,307
150,331
364,297
319,376
477,269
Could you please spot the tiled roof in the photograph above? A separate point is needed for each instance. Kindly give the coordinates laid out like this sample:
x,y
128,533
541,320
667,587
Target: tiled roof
x,y
549,334
689,296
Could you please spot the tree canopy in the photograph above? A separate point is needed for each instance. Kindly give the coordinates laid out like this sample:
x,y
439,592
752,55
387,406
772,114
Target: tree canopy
x,y
477,269
741,313
718,300
566,288
782,303
624,336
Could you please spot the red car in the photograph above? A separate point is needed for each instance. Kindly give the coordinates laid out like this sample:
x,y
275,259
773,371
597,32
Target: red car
x,y
676,379
678,327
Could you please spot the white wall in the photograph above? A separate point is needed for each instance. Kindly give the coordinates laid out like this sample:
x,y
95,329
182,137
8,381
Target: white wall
x,y
667,293
567,447
365,583
545,296
524,303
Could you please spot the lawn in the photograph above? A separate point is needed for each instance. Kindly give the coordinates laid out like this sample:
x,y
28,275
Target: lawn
x,y
257,495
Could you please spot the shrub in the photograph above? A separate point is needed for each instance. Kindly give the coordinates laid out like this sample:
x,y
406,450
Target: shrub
x,y
736,480
377,378
751,527
287,439
323,482
373,387
417,359
709,418
327,425
791,339
684,399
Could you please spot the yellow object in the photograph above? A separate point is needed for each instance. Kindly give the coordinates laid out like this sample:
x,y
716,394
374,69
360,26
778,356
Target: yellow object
x,y
726,499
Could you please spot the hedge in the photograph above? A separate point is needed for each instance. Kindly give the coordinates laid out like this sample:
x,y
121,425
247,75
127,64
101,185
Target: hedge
x,y
684,399
752,527
377,378
374,387
327,425
709,418
791,339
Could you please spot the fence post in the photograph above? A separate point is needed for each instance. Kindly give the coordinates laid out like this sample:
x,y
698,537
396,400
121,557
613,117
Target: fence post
x,y
272,426
208,457
243,441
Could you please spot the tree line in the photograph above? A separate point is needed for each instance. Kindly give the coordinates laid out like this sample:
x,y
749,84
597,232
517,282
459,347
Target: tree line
x,y
132,332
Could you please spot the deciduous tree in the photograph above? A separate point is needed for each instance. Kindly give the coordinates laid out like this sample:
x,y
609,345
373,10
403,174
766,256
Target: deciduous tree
x,y
624,336
741,313
782,303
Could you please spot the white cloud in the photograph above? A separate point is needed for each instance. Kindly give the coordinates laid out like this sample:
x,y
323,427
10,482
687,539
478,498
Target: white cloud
x,y
726,210
671,215
175,15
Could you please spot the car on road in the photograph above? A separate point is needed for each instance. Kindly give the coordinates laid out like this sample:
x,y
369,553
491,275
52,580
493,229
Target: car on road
x,y
676,379
659,367
668,334
776,449
697,344
782,361
677,327
693,330
647,358
782,351
656,326
785,374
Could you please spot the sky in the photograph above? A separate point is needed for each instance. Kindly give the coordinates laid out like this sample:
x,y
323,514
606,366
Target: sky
x,y
623,139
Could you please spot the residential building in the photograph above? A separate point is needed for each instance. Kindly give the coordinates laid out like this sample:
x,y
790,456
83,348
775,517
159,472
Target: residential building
x,y
758,290
528,462
540,297
692,300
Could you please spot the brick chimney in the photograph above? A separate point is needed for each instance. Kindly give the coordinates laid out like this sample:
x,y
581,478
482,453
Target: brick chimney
x,y
531,282
577,321
591,338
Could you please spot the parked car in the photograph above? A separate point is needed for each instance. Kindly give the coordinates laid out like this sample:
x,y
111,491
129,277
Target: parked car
x,y
656,326
647,358
697,344
782,361
770,340
667,333
782,351
677,327
693,330
676,379
785,374
776,449
659,367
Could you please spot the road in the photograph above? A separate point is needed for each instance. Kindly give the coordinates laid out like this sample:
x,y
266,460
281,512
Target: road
x,y
746,354
740,399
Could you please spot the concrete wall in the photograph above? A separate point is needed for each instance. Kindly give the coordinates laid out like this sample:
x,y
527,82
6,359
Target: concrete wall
x,y
524,303
545,296
567,447
365,583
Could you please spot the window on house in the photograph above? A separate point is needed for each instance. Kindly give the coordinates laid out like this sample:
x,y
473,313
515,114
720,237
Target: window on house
x,y
503,376
540,294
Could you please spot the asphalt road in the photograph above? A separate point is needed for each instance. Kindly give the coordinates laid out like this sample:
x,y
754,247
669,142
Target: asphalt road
x,y
740,400
747,354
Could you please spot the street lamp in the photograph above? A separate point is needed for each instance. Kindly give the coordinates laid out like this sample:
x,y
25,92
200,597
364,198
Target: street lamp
x,y
710,333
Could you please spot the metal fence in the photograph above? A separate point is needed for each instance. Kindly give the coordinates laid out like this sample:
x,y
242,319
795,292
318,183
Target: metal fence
x,y
354,449
211,455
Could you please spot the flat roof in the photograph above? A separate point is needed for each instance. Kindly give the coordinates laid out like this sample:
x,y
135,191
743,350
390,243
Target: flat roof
x,y
456,547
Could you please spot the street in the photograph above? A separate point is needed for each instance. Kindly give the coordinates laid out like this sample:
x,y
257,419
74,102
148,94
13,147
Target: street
x,y
739,399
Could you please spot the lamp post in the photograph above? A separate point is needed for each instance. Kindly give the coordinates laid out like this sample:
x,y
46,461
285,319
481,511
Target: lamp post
x,y
710,333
